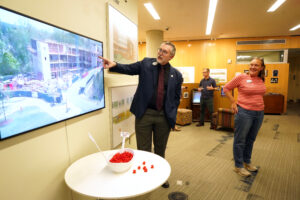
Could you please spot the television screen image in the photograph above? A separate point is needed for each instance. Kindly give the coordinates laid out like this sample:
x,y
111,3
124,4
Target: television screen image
x,y
222,92
196,97
47,74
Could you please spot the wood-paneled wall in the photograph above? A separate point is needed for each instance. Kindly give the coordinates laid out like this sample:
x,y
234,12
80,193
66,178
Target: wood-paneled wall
x,y
215,53
185,102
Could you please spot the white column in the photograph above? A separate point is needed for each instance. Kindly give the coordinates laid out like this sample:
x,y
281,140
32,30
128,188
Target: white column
x,y
154,38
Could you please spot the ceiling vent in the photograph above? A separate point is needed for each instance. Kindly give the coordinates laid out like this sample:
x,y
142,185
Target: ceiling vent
x,y
261,42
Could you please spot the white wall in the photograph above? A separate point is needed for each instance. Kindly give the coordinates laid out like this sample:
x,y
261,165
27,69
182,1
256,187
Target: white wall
x,y
32,165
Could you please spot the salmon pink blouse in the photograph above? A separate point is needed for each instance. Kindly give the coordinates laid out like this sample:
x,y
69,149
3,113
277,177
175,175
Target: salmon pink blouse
x,y
250,91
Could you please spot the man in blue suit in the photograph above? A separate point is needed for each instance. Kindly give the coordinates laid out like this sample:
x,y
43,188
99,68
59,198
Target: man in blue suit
x,y
156,99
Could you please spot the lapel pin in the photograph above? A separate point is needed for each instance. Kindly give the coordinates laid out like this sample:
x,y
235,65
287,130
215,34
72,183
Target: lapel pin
x,y
154,63
172,75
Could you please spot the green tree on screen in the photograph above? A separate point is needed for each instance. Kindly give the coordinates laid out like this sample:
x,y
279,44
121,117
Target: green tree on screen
x,y
9,64
19,39
14,44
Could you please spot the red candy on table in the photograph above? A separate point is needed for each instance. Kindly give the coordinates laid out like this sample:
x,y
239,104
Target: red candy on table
x,y
145,169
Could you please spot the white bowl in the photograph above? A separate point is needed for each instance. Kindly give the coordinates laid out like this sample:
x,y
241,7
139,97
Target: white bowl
x,y
120,167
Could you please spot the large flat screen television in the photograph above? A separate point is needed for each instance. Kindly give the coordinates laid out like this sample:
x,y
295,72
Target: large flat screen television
x,y
47,74
196,97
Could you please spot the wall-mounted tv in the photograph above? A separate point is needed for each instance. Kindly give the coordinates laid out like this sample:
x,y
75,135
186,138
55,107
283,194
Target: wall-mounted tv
x,y
47,74
222,92
196,97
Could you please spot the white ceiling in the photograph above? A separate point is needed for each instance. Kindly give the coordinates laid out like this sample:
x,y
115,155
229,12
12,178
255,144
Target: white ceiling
x,y
186,19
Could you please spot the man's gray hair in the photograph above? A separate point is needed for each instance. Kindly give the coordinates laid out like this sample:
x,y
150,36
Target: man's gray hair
x,y
206,69
173,51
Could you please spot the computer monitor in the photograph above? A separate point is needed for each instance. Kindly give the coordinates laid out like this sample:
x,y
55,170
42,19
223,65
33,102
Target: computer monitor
x,y
196,97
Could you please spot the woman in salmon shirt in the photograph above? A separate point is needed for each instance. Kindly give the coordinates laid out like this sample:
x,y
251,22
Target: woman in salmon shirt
x,y
249,110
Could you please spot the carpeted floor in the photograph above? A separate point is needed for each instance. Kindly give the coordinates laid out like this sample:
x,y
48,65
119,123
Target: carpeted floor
x,y
202,162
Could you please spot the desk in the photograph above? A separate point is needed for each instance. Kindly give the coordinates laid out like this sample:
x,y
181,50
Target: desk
x,y
274,103
90,176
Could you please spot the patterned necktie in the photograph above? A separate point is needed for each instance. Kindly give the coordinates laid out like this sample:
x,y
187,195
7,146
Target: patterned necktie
x,y
160,89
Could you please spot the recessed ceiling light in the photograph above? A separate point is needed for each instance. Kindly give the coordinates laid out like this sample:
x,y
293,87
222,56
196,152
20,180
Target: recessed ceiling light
x,y
276,5
295,28
152,11
211,15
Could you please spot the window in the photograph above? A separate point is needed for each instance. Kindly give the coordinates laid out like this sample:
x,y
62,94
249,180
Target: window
x,y
270,56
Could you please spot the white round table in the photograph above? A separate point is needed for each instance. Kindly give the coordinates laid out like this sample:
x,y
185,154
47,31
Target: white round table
x,y
90,176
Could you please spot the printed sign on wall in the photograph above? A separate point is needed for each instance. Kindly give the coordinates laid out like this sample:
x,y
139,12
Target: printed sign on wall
x,y
188,74
220,75
122,118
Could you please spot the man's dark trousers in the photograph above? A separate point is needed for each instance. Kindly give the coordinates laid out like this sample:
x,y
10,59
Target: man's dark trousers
x,y
209,103
153,121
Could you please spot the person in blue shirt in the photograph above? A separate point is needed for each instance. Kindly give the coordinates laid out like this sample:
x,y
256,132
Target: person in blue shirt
x,y
207,87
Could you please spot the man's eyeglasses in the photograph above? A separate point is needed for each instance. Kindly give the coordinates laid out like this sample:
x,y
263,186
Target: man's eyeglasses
x,y
164,52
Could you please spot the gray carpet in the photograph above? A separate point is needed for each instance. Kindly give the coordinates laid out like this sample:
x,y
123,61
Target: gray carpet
x,y
202,162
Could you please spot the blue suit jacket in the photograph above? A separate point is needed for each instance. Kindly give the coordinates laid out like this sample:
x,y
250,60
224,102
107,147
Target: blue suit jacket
x,y
147,70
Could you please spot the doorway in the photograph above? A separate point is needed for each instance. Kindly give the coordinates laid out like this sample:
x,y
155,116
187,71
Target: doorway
x,y
294,75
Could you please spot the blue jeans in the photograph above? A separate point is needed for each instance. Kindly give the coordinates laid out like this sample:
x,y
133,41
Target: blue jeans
x,y
246,126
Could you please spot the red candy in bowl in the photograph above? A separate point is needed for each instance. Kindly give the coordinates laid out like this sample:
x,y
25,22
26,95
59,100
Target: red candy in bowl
x,y
121,161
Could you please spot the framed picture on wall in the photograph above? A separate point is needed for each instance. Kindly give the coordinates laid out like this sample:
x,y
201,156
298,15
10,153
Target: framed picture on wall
x,y
274,80
122,37
220,75
186,95
275,72
223,93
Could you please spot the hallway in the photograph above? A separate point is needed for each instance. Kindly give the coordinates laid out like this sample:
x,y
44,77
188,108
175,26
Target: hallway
x,y
202,162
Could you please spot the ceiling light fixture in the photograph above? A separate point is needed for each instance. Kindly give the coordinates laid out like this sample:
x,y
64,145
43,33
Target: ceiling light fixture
x,y
211,15
276,5
295,28
152,11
